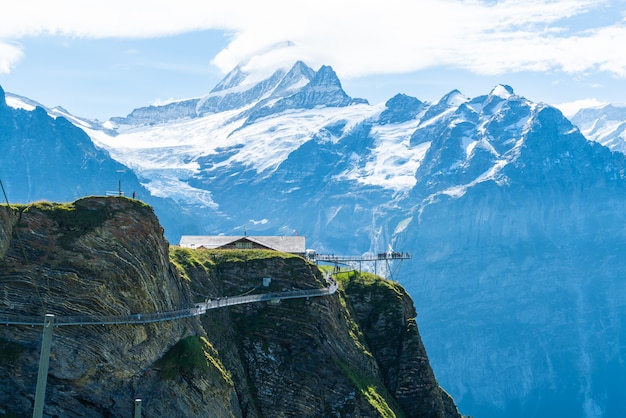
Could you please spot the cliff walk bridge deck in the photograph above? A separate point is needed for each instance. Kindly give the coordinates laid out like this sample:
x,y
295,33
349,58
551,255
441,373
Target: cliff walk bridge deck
x,y
147,318
346,258
387,259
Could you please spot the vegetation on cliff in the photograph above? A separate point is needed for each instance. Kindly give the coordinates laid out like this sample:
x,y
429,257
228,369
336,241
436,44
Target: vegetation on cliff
x,y
191,354
9,351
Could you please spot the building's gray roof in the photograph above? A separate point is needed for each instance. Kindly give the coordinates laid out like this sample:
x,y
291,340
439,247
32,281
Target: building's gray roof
x,y
287,244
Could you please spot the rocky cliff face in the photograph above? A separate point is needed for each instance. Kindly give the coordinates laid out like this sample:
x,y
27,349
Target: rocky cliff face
x,y
94,257
356,353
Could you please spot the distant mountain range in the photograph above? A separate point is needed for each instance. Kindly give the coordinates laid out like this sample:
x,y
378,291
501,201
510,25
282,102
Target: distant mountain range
x,y
606,125
514,219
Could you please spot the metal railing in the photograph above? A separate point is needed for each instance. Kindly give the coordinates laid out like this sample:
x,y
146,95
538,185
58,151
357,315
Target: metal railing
x,y
147,318
392,256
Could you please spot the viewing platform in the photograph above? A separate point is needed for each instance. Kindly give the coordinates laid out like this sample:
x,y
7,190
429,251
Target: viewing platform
x,y
390,260
331,258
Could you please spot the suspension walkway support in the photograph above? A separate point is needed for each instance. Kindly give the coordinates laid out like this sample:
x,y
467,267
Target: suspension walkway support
x,y
44,362
137,408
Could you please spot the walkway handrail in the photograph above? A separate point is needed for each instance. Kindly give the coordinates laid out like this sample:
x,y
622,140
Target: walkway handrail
x,y
147,318
344,258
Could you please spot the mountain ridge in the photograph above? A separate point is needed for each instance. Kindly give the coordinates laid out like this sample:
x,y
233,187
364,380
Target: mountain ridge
x,y
504,205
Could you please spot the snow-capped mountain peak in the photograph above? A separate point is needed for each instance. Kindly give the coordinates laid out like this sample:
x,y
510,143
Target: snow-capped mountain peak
x,y
299,87
503,91
605,125
453,99
233,79
296,78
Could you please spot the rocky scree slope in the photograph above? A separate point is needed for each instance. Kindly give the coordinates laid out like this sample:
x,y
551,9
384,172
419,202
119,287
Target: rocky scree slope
x,y
356,353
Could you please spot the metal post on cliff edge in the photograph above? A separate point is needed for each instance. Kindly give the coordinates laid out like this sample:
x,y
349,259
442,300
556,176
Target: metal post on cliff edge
x,y
119,183
44,362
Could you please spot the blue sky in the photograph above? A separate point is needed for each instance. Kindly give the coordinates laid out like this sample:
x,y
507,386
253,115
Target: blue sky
x,y
104,58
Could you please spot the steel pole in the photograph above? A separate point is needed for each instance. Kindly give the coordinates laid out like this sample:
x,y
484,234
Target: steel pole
x,y
137,408
44,362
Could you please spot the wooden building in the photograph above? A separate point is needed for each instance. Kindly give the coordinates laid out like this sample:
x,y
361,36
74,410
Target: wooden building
x,y
286,244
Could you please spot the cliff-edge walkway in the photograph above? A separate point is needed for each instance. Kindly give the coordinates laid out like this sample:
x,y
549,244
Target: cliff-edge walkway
x,y
147,318
50,321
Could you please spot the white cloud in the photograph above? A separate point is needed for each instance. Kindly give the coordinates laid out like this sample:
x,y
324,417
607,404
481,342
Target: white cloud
x,y
569,109
357,38
10,54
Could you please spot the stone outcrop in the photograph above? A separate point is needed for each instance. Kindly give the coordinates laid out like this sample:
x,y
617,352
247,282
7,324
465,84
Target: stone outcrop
x,y
386,315
353,354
